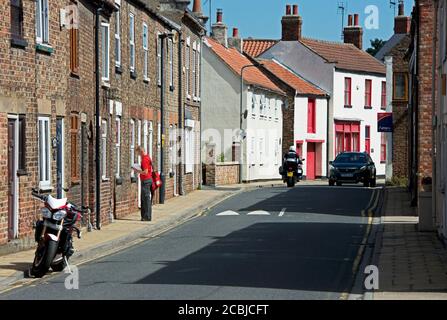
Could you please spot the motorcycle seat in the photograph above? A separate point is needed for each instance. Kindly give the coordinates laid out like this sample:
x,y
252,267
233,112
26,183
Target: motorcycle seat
x,y
56,203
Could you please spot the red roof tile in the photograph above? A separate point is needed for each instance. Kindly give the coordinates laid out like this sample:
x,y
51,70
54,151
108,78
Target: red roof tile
x,y
291,79
255,47
235,60
346,56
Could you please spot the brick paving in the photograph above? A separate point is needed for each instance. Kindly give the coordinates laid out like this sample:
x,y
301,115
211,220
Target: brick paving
x,y
412,264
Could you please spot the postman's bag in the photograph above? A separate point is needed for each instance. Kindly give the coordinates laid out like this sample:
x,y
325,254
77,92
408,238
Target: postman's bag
x,y
156,181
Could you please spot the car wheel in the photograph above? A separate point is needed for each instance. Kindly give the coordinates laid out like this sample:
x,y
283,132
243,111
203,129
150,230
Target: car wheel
x,y
373,183
366,183
331,183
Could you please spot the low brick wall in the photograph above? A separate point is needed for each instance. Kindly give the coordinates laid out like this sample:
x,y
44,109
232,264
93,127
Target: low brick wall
x,y
222,173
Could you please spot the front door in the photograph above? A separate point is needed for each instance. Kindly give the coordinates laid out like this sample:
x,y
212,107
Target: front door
x,y
12,178
60,157
310,174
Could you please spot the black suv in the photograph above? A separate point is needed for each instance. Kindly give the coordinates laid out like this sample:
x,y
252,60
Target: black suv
x,y
352,167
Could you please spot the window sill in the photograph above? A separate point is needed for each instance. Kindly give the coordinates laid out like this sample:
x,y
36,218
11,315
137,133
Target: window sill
x,y
105,84
188,97
104,179
44,48
118,70
75,182
368,107
22,173
74,75
348,106
45,188
119,181
19,43
133,75
383,162
147,80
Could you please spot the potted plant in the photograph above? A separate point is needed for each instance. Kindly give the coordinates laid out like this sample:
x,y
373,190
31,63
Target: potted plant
x,y
427,184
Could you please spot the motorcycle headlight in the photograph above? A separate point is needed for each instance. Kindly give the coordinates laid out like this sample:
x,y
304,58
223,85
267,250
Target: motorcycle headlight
x,y
60,215
46,213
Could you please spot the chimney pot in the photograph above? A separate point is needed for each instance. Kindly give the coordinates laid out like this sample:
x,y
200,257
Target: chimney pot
x,y
401,9
356,20
350,20
219,15
295,9
235,33
197,7
288,10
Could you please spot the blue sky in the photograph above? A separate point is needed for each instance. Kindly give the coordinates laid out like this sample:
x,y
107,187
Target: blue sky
x,y
262,18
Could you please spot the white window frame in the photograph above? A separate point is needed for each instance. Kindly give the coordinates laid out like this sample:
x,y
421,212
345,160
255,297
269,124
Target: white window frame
x,y
145,50
118,147
198,72
42,22
118,38
150,140
104,149
132,42
132,145
105,41
159,146
189,149
194,53
45,152
171,63
188,68
261,151
253,151
159,40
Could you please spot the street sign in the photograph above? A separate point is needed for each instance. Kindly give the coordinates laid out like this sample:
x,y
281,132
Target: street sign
x,y
385,122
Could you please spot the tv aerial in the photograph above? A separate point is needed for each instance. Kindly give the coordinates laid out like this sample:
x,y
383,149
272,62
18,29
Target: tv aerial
x,y
342,8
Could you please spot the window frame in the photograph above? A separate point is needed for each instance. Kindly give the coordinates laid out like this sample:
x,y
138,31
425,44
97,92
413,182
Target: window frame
x,y
348,92
44,153
188,68
74,48
132,53
312,123
21,168
159,67
384,96
42,22
104,132
117,147
16,6
383,147
105,54
368,139
405,74
132,145
368,93
145,51
194,53
118,38
189,150
198,71
74,132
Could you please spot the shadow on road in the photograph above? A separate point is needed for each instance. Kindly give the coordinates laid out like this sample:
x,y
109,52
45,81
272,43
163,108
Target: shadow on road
x,y
294,256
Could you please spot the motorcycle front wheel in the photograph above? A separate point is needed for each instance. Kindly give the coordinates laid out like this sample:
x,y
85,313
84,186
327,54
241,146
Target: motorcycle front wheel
x,y
43,258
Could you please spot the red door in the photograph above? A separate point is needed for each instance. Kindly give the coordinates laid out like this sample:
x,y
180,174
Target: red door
x,y
310,175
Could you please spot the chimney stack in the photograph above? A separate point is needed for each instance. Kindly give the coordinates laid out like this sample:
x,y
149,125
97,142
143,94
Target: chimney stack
x,y
235,41
353,33
220,30
402,23
197,6
292,24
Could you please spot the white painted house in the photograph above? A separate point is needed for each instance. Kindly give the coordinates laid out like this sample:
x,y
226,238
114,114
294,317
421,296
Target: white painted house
x,y
262,103
305,119
354,80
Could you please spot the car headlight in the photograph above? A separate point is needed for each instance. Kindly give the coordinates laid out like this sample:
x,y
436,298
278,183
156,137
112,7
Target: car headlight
x,y
60,215
362,168
46,213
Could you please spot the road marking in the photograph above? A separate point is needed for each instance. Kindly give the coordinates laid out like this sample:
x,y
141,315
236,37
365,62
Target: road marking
x,y
258,213
282,212
228,213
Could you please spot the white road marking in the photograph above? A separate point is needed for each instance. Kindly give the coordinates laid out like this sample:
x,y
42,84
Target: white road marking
x,y
282,212
228,213
258,213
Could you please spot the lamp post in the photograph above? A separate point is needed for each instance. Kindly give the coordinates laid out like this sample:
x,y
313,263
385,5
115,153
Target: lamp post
x,y
162,36
241,115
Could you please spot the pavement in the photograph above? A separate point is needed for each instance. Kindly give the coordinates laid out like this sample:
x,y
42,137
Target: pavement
x,y
257,244
129,231
412,264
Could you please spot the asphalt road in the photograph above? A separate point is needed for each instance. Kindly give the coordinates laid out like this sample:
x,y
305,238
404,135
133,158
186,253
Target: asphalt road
x,y
271,243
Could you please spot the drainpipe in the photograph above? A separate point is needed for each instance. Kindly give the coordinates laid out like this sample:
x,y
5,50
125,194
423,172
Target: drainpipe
x,y
162,125
97,111
200,106
180,111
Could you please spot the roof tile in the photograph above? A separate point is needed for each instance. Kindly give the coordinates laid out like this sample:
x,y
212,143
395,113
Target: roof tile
x,y
255,47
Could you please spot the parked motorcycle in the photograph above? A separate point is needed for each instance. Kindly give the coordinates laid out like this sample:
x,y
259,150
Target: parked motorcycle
x,y
292,172
53,234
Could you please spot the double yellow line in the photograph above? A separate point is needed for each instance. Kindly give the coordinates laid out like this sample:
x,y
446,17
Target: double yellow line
x,y
368,212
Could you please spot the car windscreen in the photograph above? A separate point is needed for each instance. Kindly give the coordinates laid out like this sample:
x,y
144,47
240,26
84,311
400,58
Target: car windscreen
x,y
351,158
